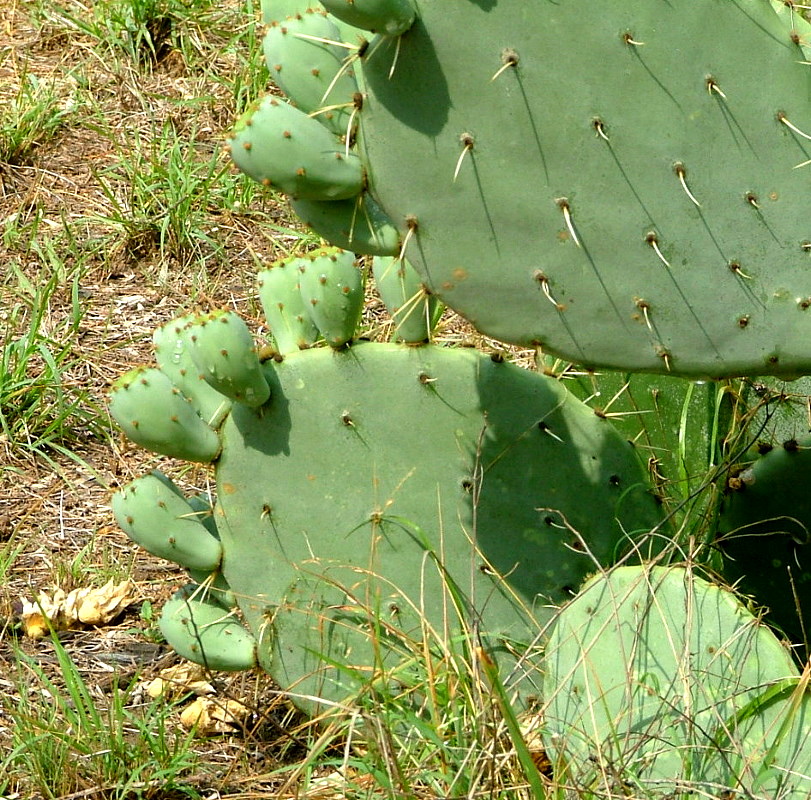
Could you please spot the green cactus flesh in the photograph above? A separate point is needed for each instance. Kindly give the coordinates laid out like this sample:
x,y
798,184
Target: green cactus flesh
x,y
217,588
764,527
306,64
387,17
223,350
173,355
358,224
413,310
623,189
155,414
670,420
331,287
779,412
795,17
664,683
280,10
385,496
279,145
384,484
287,316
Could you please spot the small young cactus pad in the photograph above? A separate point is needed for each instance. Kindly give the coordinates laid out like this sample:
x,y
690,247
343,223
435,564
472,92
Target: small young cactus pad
x,y
279,145
173,355
305,62
223,350
152,512
155,414
387,17
331,287
201,630
411,307
357,224
285,311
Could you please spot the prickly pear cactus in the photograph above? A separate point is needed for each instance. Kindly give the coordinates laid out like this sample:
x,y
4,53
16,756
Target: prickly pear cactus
x,y
623,188
376,490
657,682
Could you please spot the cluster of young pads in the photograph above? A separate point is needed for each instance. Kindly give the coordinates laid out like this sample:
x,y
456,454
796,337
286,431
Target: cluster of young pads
x,y
623,189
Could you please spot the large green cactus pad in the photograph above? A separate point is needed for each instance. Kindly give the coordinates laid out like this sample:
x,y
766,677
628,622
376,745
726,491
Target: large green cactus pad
x,y
620,185
662,683
386,485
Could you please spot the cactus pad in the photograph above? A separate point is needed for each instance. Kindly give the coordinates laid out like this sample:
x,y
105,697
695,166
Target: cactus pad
x,y
332,290
357,224
563,176
153,512
286,314
306,64
201,630
627,191
411,307
155,414
388,17
382,488
395,477
765,535
222,348
173,355
279,145
665,683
